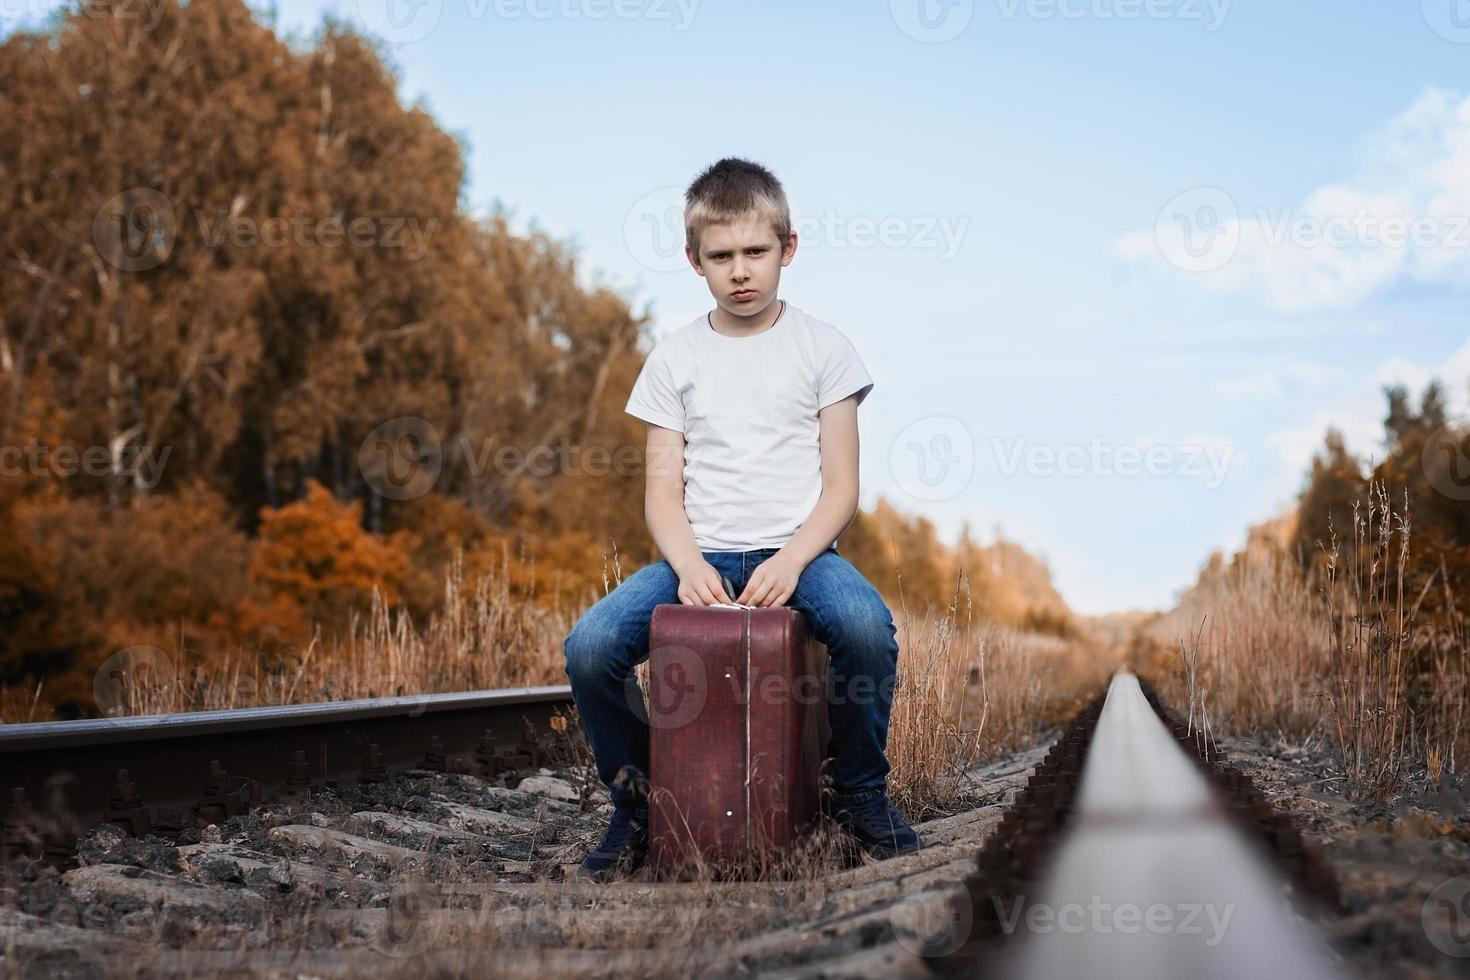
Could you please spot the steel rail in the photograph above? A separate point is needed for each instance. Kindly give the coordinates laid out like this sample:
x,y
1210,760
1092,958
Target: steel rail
x,y
1144,885
1131,833
227,759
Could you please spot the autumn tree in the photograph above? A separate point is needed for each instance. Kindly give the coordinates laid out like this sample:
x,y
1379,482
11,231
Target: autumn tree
x,y
316,563
1325,504
42,636
1427,469
249,258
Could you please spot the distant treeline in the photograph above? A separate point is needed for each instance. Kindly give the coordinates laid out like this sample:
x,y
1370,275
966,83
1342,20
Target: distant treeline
x,y
1424,471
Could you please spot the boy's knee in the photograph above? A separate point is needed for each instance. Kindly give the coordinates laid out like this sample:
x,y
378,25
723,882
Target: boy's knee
x,y
586,652
865,623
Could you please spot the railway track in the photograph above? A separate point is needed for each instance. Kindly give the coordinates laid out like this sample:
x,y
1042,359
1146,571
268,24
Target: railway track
x,y
162,772
457,858
1159,862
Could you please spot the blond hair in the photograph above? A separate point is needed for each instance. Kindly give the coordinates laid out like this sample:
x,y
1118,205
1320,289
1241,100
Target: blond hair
x,y
730,189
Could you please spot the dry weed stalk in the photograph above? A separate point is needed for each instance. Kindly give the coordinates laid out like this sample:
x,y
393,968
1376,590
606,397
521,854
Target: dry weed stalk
x,y
1371,645
1198,693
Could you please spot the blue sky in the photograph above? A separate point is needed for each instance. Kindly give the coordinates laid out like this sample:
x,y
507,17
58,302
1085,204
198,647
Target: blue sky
x,y
994,208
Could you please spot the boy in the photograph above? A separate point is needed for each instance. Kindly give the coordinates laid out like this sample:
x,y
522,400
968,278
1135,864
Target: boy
x,y
758,402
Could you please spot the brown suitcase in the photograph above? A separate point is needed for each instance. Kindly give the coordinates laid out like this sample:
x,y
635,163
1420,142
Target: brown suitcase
x,y
738,730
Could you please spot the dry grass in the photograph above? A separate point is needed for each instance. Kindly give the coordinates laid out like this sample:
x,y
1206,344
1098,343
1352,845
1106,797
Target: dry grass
x,y
929,745
1337,653
1262,642
1371,643
969,689
966,688
482,638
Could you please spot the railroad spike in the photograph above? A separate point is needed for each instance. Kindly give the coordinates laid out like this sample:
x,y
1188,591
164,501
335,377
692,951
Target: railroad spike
x,y
298,774
434,760
170,823
486,764
59,845
373,770
218,802
126,810
18,832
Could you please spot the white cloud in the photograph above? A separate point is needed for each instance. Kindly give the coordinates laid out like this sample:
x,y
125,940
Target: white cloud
x,y
1259,386
1269,384
1403,217
1358,413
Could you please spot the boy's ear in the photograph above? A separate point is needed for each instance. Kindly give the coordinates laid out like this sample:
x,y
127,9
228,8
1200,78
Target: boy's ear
x,y
788,250
693,259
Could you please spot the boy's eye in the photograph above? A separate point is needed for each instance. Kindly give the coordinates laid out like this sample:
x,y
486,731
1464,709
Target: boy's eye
x,y
722,256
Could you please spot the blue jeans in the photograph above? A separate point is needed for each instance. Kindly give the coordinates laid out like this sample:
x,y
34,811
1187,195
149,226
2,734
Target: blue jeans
x,y
843,611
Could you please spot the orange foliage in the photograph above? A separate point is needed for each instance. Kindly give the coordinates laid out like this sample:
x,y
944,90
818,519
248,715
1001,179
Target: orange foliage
x,y
314,562
167,571
903,557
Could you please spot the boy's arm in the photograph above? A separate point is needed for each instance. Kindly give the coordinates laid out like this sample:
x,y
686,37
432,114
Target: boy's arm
x,y
774,580
668,524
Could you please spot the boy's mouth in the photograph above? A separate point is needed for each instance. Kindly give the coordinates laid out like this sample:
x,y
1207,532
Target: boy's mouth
x,y
741,295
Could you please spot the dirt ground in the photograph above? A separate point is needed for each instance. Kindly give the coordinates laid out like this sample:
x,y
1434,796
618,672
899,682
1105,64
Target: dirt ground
x,y
453,874
446,873
1403,864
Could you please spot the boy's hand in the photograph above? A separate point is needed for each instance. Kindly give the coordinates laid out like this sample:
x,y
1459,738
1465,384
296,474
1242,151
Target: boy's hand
x,y
702,586
773,581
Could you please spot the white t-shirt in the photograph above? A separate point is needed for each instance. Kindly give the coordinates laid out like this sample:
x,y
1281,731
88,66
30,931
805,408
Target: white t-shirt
x,y
748,409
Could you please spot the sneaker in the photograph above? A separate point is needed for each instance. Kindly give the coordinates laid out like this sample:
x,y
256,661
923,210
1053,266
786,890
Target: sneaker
x,y
875,823
623,847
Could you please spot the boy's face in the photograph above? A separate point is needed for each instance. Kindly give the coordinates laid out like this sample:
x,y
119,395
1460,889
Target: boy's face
x,y
742,261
